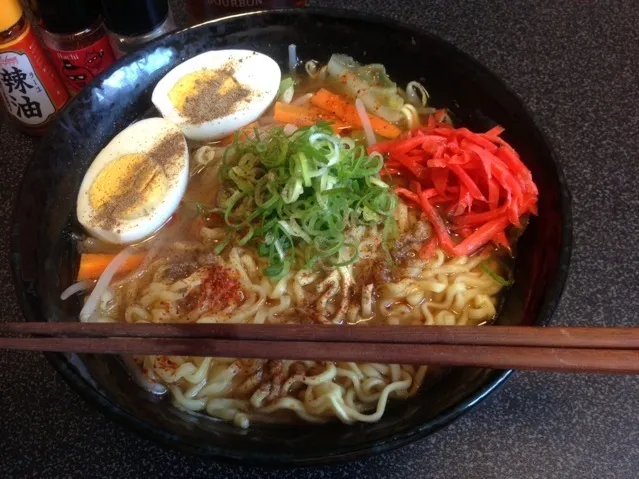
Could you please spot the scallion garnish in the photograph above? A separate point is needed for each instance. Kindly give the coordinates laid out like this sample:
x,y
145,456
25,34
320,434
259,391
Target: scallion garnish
x,y
305,190
484,267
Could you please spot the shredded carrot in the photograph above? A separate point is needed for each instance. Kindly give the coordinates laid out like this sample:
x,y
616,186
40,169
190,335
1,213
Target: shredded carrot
x,y
472,184
440,115
500,238
409,195
306,116
481,236
93,265
495,131
338,106
438,225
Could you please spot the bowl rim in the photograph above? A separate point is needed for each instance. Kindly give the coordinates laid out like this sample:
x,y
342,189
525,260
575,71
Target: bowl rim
x,y
494,378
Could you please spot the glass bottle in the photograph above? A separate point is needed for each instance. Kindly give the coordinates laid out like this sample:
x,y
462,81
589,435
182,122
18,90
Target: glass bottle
x,y
31,90
202,10
74,34
131,23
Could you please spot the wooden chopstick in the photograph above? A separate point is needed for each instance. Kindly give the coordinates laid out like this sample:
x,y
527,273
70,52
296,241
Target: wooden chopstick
x,y
498,357
607,350
534,336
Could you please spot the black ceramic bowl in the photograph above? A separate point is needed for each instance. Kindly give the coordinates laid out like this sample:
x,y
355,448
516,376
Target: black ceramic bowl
x,y
44,257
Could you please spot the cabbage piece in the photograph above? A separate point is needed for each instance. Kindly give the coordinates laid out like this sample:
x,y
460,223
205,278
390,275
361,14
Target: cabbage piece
x,y
371,83
286,90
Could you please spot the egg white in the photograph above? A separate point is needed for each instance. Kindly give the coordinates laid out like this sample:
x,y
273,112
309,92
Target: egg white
x,y
255,71
141,137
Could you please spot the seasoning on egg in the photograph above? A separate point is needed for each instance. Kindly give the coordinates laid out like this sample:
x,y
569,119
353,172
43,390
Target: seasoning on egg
x,y
132,185
206,95
135,183
216,93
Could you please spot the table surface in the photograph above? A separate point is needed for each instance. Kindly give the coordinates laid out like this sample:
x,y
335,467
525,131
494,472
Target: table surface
x,y
575,65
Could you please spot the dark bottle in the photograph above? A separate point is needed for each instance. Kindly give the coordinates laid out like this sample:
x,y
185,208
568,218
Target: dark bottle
x,y
74,34
131,23
202,10
30,88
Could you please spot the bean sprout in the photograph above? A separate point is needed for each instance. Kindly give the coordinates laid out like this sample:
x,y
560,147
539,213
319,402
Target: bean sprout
x,y
75,288
411,89
311,68
103,283
366,122
412,117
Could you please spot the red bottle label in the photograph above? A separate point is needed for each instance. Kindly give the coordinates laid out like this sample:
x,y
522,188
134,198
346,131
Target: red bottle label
x,y
79,67
29,86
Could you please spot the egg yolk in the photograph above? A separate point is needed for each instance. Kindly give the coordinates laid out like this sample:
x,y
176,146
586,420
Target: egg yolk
x,y
191,85
129,187
204,95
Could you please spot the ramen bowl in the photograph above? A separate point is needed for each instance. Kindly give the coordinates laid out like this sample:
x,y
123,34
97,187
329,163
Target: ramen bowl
x,y
44,256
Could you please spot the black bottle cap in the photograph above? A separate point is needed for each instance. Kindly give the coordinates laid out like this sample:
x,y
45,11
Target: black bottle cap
x,y
134,17
68,16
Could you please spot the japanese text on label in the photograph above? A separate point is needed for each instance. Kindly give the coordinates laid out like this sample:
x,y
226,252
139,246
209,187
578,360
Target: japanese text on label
x,y
22,91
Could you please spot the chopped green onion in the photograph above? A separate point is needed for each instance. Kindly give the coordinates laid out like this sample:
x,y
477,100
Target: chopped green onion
x,y
262,249
294,196
486,269
279,249
200,209
285,84
277,270
304,167
221,245
369,215
376,182
245,239
327,246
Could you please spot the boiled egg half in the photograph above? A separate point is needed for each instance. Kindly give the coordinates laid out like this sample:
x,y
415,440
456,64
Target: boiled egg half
x,y
135,183
216,93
